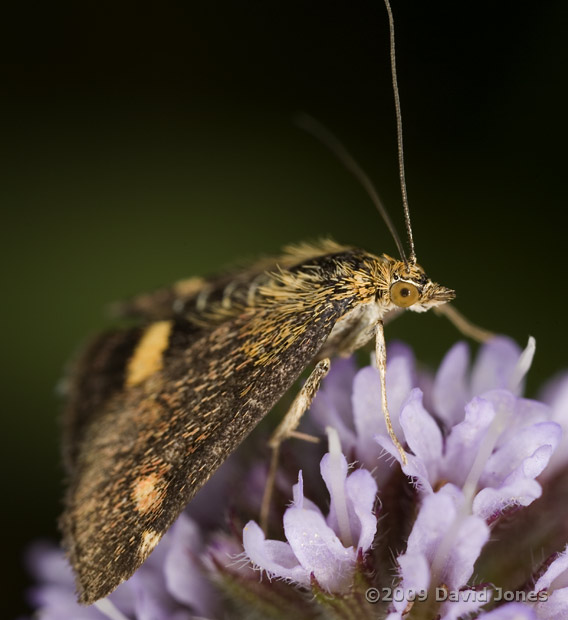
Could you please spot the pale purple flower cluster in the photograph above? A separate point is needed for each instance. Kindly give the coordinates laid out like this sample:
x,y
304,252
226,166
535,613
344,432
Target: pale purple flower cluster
x,y
483,465
495,452
350,401
442,548
319,548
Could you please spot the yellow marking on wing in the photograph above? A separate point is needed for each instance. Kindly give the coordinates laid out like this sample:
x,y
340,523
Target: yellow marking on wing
x,y
148,355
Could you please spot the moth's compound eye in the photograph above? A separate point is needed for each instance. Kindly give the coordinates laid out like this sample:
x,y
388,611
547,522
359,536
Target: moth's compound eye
x,y
404,294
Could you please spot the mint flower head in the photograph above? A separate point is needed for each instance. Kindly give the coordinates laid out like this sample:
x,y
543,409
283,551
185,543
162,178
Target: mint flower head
x,y
321,549
494,452
472,526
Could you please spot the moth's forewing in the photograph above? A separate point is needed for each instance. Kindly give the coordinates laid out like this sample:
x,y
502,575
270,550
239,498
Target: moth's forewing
x,y
153,445
177,400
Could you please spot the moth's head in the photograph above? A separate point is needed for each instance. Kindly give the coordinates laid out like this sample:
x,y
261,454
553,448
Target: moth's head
x,y
411,288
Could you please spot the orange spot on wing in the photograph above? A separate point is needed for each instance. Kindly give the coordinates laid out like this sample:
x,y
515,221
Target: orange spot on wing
x,y
148,493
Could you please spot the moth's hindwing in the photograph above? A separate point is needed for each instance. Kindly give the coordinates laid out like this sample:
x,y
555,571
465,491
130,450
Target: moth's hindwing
x,y
150,427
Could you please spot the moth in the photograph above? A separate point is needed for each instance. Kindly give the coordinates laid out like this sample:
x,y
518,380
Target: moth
x,y
154,409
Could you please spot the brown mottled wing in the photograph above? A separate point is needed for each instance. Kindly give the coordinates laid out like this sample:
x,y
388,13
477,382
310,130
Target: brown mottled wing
x,y
93,379
142,454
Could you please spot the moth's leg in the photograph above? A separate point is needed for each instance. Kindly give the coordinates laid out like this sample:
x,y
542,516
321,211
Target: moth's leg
x,y
287,428
381,355
466,327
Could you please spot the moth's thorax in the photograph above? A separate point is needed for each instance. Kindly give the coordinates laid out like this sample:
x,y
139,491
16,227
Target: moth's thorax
x,y
305,282
353,330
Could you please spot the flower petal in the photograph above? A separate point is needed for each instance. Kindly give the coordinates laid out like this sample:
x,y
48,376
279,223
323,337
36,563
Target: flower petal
x,y
555,607
226,552
332,404
273,556
151,599
511,611
367,411
401,376
522,450
450,392
361,490
415,573
433,521
318,549
489,503
65,607
558,568
422,433
338,387
557,395
56,595
462,444
522,414
47,563
495,365
414,468
184,579
450,541
472,535
468,602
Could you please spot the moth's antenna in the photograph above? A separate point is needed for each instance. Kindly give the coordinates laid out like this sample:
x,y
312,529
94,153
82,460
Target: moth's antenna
x,y
325,136
399,136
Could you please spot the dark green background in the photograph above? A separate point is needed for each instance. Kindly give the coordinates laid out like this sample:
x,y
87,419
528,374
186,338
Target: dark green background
x,y
143,145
